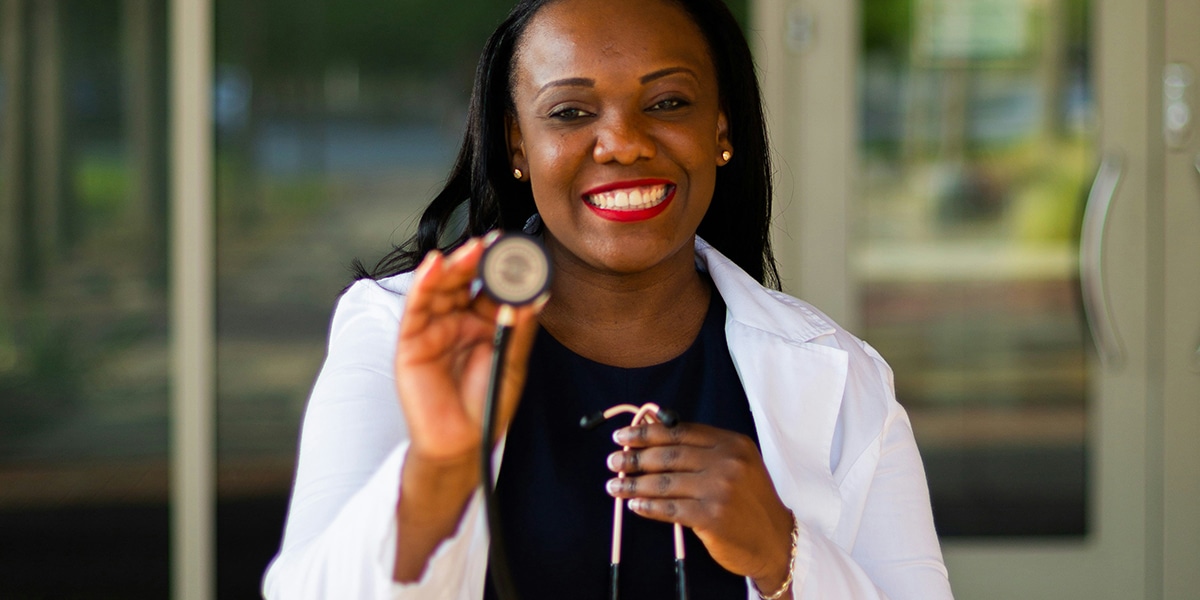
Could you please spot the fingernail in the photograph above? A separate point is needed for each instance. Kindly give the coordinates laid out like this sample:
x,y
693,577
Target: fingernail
x,y
623,435
614,461
491,237
426,263
463,250
540,302
635,504
612,486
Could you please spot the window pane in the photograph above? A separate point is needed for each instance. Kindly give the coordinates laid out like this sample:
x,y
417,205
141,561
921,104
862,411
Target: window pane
x,y
83,302
335,125
976,149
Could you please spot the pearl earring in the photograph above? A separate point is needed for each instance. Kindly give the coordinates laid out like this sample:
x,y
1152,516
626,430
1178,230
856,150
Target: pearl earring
x,y
518,174
726,155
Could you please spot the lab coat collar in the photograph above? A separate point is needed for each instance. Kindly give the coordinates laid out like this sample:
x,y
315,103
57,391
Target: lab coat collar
x,y
756,306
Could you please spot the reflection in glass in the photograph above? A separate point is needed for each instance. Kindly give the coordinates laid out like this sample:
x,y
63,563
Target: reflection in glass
x,y
975,148
83,303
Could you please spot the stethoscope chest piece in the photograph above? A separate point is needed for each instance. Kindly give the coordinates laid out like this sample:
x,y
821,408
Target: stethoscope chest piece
x,y
514,269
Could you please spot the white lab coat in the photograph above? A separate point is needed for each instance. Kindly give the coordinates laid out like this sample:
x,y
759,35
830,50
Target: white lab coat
x,y
838,446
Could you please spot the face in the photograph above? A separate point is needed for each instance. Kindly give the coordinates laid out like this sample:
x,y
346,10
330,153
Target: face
x,y
618,129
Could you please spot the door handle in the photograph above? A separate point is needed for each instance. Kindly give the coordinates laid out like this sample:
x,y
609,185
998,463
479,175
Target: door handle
x,y
1091,260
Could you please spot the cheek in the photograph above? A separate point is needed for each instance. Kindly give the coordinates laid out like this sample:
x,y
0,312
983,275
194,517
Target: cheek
x,y
553,164
694,146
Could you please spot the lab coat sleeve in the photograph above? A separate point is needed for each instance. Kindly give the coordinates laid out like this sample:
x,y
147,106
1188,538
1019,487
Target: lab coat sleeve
x,y
893,548
896,553
340,537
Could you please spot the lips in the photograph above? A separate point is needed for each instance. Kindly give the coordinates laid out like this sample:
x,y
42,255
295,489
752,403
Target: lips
x,y
627,201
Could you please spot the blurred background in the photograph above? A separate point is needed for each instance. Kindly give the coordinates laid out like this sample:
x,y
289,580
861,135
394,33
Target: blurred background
x,y
973,135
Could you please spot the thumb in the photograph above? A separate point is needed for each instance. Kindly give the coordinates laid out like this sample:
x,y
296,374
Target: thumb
x,y
516,363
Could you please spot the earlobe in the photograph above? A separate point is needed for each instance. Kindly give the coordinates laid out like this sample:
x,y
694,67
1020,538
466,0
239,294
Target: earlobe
x,y
724,148
516,146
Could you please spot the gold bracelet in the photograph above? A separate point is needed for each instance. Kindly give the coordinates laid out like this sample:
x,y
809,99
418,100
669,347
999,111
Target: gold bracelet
x,y
787,583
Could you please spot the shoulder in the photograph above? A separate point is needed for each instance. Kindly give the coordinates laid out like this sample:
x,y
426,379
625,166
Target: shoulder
x,y
375,295
368,310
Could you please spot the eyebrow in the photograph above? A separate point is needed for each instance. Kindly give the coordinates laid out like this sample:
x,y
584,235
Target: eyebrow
x,y
568,82
588,82
659,74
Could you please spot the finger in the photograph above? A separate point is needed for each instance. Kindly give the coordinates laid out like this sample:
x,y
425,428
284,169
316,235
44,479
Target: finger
x,y
688,512
441,284
674,458
657,485
524,331
420,295
475,382
447,273
657,434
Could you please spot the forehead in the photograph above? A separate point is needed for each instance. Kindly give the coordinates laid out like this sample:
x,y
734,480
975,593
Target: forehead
x,y
572,37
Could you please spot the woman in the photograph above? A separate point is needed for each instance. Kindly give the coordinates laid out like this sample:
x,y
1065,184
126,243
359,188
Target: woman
x,y
617,131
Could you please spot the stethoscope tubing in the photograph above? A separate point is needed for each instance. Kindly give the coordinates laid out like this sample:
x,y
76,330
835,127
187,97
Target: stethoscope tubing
x,y
646,413
501,574
497,556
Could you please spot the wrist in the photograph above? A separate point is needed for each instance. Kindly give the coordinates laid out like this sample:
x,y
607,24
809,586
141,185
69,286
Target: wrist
x,y
433,497
776,581
433,487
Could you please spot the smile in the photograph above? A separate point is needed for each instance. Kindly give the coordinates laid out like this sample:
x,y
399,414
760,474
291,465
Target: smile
x,y
630,201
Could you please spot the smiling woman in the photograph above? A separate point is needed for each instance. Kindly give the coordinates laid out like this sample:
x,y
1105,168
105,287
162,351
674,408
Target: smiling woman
x,y
629,136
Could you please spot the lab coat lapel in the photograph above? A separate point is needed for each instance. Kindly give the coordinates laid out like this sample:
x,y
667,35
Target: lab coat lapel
x,y
794,384
795,391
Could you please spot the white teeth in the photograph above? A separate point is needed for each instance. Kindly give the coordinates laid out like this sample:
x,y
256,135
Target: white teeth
x,y
634,199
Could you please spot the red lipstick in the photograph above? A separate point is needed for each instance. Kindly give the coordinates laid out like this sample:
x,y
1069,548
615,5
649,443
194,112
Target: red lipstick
x,y
630,215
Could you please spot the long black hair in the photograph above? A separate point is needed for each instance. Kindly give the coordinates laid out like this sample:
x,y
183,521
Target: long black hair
x,y
738,219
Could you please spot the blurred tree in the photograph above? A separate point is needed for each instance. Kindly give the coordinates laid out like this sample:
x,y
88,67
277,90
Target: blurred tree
x,y
418,37
380,36
887,27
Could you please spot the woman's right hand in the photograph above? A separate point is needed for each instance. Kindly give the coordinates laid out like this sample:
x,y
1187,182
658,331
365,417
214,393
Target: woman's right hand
x,y
443,362
444,353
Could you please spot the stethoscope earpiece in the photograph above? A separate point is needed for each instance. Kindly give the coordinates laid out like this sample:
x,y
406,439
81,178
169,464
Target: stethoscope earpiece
x,y
592,421
646,413
668,417
665,416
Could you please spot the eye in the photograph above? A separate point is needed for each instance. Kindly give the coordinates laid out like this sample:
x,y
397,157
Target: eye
x,y
569,114
669,104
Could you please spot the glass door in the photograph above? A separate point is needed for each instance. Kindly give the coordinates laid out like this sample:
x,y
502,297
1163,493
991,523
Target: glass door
x,y
1181,314
975,144
84,303
969,185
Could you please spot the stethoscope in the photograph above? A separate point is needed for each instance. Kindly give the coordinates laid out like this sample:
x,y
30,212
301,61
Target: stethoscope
x,y
514,271
646,413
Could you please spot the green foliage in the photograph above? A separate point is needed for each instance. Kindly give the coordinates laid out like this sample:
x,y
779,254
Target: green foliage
x,y
887,26
382,37
40,375
102,185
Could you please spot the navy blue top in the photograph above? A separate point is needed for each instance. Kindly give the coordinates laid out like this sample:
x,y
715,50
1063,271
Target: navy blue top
x,y
557,517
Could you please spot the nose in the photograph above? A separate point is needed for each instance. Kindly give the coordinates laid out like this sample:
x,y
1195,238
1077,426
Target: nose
x,y
622,138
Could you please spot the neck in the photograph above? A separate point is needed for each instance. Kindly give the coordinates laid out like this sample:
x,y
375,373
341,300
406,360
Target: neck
x,y
627,320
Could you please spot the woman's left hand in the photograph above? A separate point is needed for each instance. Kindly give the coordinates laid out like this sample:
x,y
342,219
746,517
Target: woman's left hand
x,y
714,482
